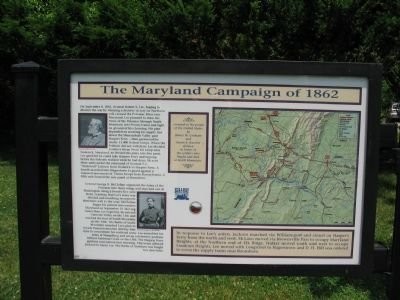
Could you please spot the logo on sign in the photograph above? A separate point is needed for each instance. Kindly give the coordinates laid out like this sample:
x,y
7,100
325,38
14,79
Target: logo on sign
x,y
181,194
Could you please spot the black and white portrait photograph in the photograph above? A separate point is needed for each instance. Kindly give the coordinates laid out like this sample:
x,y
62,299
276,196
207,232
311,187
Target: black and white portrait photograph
x,y
151,210
92,130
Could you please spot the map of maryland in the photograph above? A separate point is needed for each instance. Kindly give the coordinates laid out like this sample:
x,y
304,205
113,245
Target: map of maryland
x,y
283,167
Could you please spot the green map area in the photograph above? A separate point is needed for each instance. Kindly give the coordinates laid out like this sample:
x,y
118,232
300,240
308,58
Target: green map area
x,y
284,167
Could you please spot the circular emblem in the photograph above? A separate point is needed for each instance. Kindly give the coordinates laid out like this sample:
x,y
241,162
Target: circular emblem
x,y
195,207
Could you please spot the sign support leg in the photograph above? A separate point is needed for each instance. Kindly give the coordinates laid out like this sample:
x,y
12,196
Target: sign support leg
x,y
32,184
394,292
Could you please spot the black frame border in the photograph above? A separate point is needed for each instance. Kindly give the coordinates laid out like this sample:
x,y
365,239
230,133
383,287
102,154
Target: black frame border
x,y
372,72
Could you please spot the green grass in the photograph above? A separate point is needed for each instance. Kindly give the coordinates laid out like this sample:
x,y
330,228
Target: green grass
x,y
385,208
90,285
9,277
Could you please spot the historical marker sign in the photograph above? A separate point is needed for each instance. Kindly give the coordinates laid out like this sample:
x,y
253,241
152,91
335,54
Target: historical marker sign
x,y
249,164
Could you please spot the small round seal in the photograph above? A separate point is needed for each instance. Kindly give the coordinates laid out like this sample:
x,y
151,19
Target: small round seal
x,y
195,207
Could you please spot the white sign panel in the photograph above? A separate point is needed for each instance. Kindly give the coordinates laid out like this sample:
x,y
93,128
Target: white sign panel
x,y
212,168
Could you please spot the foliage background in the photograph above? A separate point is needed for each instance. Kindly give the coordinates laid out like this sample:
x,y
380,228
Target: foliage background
x,y
312,30
309,30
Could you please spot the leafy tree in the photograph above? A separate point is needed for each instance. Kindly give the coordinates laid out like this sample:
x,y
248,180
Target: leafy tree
x,y
320,30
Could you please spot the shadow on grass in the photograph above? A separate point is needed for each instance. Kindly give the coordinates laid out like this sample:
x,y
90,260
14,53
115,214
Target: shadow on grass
x,y
8,154
326,287
387,182
387,160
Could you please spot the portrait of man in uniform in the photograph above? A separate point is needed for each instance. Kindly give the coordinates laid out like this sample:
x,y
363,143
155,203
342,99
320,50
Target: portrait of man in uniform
x,y
92,130
151,209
